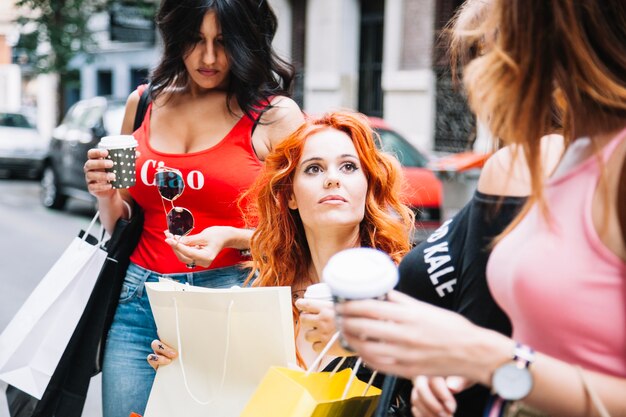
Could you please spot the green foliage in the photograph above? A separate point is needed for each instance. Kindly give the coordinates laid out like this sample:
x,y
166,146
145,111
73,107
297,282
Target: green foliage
x,y
54,31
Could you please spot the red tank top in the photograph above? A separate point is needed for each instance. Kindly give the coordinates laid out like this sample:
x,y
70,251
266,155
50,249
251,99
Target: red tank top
x,y
214,180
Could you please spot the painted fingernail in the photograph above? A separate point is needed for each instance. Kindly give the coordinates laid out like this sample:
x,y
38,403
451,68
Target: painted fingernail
x,y
153,358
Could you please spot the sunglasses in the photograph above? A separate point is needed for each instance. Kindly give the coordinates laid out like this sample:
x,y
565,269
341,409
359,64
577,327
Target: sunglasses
x,y
170,183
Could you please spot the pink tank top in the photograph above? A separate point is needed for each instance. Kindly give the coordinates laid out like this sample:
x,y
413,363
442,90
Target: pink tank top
x,y
562,288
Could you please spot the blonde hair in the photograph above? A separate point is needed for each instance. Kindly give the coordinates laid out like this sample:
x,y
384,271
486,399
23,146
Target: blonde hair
x,y
546,55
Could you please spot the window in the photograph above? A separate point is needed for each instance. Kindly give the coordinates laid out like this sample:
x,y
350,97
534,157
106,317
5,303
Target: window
x,y
402,149
371,57
13,120
138,76
104,83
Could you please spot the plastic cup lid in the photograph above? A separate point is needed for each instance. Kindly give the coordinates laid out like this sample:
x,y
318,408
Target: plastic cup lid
x,y
360,273
117,141
319,291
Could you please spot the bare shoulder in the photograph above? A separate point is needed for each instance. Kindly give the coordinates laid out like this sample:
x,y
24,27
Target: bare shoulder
x,y
284,113
506,173
132,103
279,121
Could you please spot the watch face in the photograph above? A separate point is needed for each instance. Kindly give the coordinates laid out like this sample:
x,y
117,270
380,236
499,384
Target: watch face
x,y
511,382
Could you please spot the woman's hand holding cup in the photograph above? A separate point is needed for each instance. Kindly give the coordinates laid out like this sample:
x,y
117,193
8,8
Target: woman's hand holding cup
x,y
359,274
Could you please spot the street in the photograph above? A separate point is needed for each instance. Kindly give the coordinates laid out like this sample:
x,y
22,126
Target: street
x,y
32,238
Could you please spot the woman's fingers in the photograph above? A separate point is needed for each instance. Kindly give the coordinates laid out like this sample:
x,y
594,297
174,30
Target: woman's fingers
x,y
163,354
418,408
156,360
442,393
307,306
162,349
98,181
192,248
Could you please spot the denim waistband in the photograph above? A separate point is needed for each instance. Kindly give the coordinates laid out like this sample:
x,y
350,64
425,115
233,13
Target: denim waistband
x,y
222,277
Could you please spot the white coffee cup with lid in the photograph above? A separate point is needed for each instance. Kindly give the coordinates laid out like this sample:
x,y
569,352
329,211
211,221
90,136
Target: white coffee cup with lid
x,y
319,291
359,274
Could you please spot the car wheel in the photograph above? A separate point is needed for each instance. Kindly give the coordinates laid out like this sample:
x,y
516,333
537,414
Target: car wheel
x,y
50,194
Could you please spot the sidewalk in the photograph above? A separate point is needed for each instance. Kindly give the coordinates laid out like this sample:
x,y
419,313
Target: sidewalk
x,y
93,405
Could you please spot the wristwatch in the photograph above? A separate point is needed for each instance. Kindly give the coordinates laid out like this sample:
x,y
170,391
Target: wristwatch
x,y
513,380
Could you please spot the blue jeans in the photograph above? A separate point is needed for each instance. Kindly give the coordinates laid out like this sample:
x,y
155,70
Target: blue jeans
x,y
126,375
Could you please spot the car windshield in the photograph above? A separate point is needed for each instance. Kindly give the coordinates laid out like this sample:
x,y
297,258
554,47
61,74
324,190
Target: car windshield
x,y
402,149
14,120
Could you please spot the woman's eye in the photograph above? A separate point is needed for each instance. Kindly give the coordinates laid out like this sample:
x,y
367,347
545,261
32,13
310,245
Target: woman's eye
x,y
349,167
312,169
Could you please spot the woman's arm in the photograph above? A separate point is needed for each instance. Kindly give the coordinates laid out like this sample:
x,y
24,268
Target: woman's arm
x,y
406,337
112,203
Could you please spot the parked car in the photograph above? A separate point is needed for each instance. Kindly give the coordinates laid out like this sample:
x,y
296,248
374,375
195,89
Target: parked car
x,y
422,190
81,129
22,148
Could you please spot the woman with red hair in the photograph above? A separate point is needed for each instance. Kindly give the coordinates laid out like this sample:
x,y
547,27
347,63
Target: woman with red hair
x,y
325,188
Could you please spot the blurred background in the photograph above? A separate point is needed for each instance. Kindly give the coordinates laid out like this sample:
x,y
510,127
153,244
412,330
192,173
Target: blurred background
x,y
67,66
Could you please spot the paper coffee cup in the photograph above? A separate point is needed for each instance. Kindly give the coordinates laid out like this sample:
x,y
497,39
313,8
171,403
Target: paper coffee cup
x,y
122,152
319,291
358,274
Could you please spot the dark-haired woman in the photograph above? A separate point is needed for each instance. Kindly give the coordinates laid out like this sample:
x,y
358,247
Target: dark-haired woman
x,y
219,105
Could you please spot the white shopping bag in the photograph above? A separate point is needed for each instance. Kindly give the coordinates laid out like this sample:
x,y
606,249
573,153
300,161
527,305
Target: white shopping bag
x,y
227,339
35,339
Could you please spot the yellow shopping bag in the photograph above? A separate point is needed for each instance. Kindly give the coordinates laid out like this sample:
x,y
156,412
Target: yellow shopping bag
x,y
287,392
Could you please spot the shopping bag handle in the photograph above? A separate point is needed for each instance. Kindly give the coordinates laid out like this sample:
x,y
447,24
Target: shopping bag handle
x,y
357,365
93,221
323,353
182,363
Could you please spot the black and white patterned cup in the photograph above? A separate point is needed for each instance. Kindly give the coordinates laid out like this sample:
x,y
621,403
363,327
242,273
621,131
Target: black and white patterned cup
x,y
358,274
122,152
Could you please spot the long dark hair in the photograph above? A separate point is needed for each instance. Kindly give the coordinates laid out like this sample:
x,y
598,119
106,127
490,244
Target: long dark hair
x,y
248,28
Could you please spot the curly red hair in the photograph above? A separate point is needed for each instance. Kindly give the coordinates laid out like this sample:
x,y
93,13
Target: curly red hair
x,y
280,252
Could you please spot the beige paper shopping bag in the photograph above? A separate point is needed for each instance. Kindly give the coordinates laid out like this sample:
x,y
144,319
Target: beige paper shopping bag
x,y
227,339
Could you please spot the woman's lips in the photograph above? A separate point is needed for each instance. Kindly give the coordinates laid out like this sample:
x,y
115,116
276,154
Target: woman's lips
x,y
207,72
333,199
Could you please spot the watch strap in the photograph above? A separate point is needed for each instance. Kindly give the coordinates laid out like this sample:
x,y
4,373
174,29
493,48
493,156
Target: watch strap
x,y
523,355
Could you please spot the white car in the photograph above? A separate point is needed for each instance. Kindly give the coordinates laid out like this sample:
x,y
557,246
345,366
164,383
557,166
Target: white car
x,y
22,149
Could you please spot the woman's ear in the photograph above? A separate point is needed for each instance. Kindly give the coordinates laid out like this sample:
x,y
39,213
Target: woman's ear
x,y
291,202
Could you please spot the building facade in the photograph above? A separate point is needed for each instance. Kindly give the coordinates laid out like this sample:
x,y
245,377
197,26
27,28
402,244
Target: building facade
x,y
375,56
381,57
10,75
